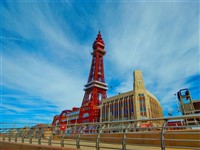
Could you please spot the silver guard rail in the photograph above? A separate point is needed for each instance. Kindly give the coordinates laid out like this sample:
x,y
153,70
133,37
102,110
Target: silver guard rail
x,y
100,132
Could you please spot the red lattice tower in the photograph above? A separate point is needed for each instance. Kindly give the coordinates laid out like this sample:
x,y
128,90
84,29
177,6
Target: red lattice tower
x,y
95,89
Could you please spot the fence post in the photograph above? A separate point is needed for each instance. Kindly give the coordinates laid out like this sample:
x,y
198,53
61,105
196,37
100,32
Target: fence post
x,y
98,136
124,137
62,139
30,140
15,138
162,135
49,141
23,139
9,135
4,137
39,136
9,138
16,135
39,140
79,136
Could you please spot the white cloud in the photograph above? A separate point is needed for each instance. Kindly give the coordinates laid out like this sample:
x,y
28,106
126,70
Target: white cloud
x,y
37,77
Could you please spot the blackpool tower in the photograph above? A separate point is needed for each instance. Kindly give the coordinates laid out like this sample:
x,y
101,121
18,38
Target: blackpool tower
x,y
95,89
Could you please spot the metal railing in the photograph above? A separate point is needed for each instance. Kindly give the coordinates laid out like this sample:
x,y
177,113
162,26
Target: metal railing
x,y
122,134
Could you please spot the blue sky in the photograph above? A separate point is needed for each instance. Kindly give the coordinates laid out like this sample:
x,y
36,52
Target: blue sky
x,y
46,46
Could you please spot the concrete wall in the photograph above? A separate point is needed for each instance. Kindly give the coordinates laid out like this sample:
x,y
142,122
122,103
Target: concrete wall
x,y
153,138
172,138
180,138
23,146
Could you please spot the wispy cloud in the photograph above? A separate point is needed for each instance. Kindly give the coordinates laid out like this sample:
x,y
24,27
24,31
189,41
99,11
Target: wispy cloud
x,y
13,108
48,68
161,39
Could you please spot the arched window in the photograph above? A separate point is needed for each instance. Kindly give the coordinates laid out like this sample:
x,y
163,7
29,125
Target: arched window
x,y
85,115
57,122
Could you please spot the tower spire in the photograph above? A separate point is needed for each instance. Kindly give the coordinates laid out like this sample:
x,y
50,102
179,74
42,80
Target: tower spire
x,y
95,89
98,43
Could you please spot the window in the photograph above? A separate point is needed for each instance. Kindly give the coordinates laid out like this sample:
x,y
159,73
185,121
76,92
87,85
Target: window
x,y
106,112
116,109
100,79
100,97
110,113
120,109
89,96
131,106
142,105
103,112
125,108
